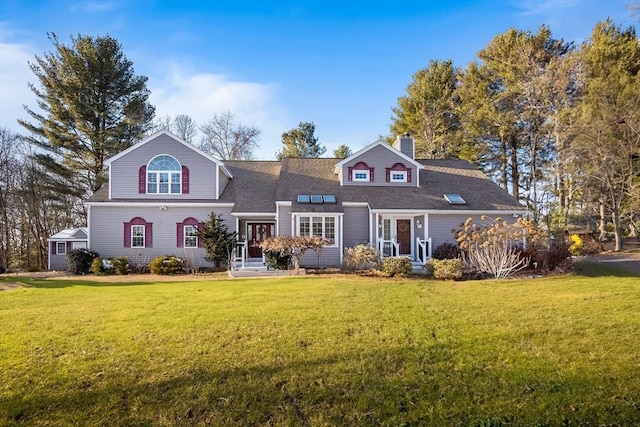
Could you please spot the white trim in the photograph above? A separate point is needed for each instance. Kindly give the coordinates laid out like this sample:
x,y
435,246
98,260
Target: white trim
x,y
110,180
284,203
446,212
156,204
65,247
366,172
184,236
217,182
254,214
158,172
88,227
177,139
336,231
277,219
355,204
340,236
339,165
403,173
144,236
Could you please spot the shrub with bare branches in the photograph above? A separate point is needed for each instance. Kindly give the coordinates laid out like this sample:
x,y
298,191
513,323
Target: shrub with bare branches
x,y
494,246
295,246
361,257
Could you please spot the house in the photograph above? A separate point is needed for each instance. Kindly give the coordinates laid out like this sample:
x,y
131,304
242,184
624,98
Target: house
x,y
161,189
63,242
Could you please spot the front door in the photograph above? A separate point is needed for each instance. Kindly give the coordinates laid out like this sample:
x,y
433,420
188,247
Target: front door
x,y
403,236
256,233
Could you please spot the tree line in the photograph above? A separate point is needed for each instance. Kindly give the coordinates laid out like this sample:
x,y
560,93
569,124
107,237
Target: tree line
x,y
555,124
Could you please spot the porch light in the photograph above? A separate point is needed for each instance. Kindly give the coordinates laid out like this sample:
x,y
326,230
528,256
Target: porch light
x,y
419,223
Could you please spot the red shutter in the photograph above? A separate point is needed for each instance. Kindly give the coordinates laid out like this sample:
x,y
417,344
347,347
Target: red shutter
x,y
54,248
69,246
148,235
185,180
350,174
142,179
409,175
388,170
127,234
371,175
180,234
200,225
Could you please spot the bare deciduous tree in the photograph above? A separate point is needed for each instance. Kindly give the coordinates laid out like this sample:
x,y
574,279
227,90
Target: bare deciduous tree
x,y
225,139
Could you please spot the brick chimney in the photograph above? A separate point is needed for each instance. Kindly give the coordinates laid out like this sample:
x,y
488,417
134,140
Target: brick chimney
x,y
405,145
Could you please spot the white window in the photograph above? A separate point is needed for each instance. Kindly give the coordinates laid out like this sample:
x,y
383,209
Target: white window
x,y
190,236
164,175
398,176
79,245
61,248
318,226
361,175
137,236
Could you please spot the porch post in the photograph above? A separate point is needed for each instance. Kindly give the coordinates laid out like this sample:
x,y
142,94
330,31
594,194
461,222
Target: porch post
x,y
340,236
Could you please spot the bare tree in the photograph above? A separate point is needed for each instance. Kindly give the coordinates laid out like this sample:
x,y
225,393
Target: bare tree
x,y
225,139
185,127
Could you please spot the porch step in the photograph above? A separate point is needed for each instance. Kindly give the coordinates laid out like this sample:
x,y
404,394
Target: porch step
x,y
417,266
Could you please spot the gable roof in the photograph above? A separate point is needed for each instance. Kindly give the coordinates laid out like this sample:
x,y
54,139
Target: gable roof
x,y
314,176
377,143
150,138
79,233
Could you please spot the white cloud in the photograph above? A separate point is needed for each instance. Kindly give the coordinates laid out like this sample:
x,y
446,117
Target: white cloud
x,y
14,78
201,95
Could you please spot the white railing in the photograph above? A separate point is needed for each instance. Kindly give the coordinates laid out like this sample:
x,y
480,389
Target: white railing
x,y
239,254
388,248
423,246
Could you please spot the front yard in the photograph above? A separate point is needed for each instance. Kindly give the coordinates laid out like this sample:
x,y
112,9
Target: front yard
x,y
322,350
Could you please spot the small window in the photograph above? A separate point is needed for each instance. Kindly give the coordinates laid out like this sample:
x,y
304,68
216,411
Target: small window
x,y
399,176
79,245
61,248
361,175
137,236
303,198
190,236
316,198
454,199
329,198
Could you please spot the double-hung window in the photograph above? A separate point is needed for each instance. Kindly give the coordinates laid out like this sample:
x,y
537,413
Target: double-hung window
x,y
318,226
61,248
190,236
137,236
164,175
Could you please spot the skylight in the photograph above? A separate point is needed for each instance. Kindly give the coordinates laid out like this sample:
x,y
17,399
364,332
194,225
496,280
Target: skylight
x,y
316,198
454,199
329,198
303,198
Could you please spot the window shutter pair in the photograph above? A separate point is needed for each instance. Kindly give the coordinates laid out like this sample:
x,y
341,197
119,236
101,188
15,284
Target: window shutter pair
x,y
360,166
180,231
148,232
142,180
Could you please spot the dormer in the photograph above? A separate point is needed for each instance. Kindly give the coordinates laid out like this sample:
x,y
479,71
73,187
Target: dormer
x,y
163,166
380,164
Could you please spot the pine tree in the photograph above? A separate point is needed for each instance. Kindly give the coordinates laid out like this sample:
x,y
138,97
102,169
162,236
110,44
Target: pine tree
x,y
91,106
301,142
217,240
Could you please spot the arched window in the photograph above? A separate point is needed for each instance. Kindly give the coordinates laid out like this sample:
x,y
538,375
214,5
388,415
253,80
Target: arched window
x,y
164,175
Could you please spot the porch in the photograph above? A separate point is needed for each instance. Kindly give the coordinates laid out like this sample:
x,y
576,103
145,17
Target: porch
x,y
401,235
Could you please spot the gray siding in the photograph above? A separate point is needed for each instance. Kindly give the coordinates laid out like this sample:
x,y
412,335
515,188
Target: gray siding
x,y
380,159
356,226
404,145
124,171
107,230
284,220
57,262
440,227
327,257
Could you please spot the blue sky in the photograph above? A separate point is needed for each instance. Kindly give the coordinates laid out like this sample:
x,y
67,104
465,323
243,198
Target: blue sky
x,y
339,64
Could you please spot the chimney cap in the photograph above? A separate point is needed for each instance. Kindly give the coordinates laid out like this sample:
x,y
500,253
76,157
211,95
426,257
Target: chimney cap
x,y
407,134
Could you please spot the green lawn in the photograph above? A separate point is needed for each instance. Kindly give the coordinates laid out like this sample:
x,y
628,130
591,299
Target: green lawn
x,y
323,350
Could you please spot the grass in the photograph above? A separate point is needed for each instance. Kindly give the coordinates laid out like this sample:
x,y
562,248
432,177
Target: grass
x,y
334,350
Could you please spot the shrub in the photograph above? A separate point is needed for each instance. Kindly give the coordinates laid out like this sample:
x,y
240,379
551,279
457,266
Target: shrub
x,y
120,265
295,246
361,257
101,266
446,251
166,264
446,269
396,266
547,259
576,245
277,260
79,260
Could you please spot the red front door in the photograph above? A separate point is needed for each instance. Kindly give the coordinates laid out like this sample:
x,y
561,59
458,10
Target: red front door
x,y
256,233
403,236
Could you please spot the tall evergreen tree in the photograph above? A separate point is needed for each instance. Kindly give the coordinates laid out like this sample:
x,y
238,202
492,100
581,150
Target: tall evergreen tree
x,y
342,152
427,113
301,142
92,105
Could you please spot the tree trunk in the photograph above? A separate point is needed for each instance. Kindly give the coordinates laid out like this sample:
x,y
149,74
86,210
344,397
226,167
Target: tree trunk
x,y
617,229
603,221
